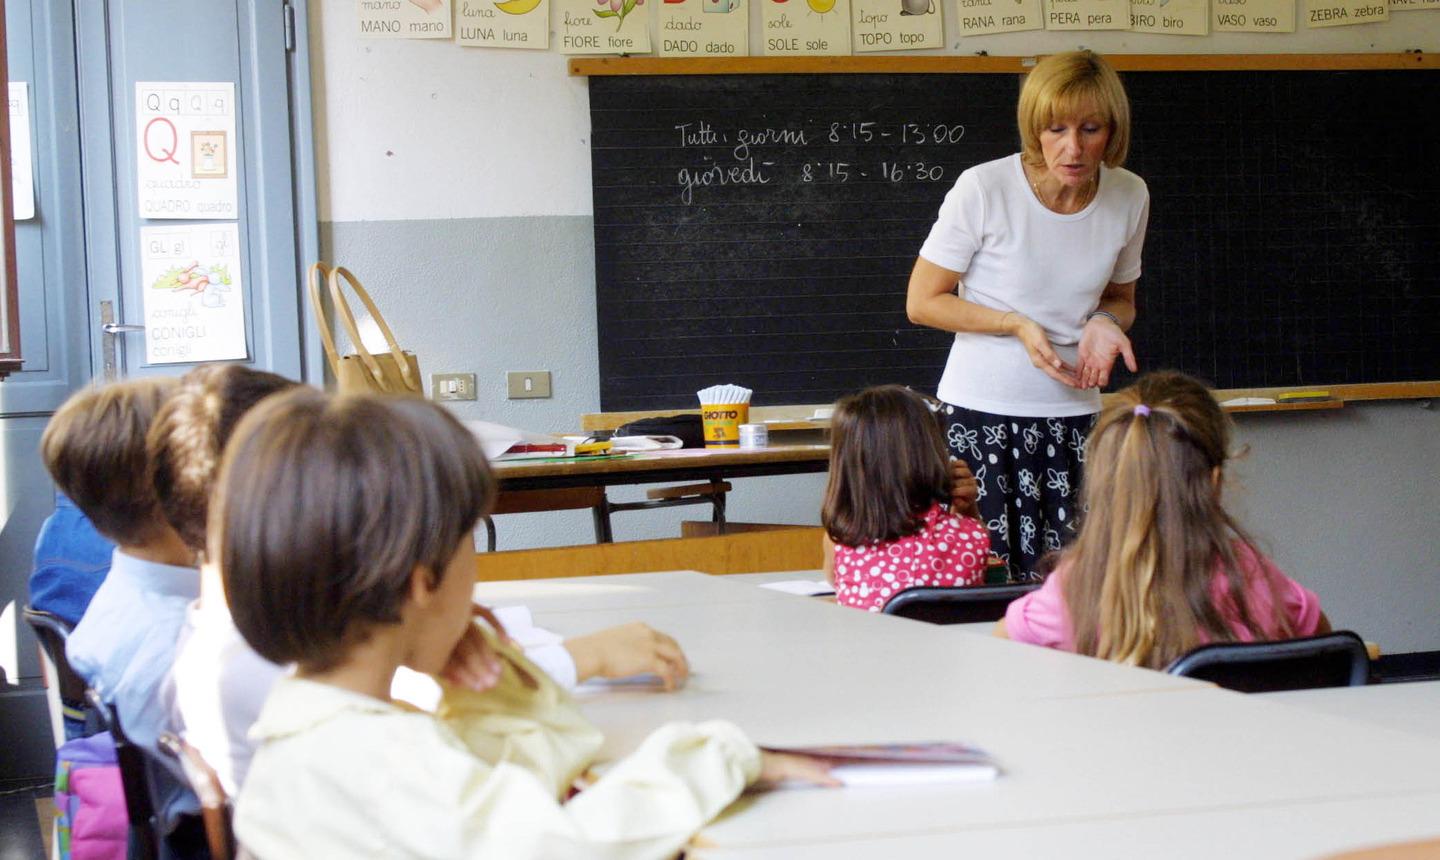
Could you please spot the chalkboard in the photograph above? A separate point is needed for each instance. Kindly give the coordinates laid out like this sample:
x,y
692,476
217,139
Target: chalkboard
x,y
760,229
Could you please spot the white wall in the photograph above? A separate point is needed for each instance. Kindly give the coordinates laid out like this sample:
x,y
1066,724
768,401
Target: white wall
x,y
419,129
456,182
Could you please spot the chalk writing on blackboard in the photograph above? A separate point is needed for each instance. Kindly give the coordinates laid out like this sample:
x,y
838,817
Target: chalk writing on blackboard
x,y
782,153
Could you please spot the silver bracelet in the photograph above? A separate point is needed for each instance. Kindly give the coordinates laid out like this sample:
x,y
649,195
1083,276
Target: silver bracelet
x,y
1107,314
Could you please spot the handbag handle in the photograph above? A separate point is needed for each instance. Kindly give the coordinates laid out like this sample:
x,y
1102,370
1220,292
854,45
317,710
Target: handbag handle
x,y
320,272
348,317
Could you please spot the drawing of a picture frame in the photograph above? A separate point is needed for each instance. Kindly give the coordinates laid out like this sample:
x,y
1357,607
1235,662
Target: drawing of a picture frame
x,y
209,155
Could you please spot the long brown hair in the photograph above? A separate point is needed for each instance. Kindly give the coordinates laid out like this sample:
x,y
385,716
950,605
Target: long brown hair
x,y
1139,585
326,505
888,465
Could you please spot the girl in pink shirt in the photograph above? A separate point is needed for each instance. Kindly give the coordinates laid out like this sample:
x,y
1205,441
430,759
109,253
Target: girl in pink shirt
x,y
1159,567
887,519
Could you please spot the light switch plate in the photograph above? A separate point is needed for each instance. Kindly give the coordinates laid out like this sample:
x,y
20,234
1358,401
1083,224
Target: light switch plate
x,y
526,384
452,386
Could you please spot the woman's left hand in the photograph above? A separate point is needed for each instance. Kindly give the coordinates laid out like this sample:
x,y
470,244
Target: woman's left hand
x,y
1101,342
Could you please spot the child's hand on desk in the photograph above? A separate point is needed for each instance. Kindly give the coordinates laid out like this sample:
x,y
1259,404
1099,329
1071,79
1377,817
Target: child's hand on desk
x,y
630,649
776,768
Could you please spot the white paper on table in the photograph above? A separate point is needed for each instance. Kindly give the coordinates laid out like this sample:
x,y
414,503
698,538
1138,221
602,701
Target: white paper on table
x,y
645,443
496,439
802,587
191,290
185,149
22,170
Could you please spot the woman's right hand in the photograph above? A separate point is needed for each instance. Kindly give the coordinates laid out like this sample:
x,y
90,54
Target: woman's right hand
x,y
1042,353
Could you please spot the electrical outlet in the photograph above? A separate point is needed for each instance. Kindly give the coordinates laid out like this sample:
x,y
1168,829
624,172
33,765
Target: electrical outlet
x,y
525,384
452,386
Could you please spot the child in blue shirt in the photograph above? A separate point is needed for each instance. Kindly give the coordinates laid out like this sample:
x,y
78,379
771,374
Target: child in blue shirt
x,y
124,645
71,560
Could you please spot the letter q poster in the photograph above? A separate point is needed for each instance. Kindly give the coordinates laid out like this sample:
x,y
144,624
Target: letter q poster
x,y
185,150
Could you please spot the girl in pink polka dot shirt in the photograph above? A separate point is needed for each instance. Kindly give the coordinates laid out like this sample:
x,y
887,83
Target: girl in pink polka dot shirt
x,y
887,519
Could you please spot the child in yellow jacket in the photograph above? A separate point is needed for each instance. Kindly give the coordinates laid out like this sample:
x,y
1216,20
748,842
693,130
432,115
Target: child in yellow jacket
x,y
341,527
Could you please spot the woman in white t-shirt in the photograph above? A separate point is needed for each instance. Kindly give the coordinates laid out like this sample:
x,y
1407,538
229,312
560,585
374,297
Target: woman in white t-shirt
x,y
1033,263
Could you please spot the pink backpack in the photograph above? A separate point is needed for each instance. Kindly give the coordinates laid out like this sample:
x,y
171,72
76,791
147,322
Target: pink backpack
x,y
92,824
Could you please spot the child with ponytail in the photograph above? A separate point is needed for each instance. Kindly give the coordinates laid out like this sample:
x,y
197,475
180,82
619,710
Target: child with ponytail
x,y
1160,567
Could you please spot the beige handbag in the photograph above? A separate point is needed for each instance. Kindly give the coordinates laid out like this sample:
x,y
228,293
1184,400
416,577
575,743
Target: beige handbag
x,y
395,372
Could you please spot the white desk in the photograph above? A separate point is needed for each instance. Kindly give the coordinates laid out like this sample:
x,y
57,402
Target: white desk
x,y
1097,756
984,628
1413,707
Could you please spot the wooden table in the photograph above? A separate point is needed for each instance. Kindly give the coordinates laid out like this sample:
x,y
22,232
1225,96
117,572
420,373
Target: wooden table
x,y
653,467
1099,760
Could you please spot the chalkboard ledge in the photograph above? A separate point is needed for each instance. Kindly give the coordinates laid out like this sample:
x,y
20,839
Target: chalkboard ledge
x,y
799,417
890,64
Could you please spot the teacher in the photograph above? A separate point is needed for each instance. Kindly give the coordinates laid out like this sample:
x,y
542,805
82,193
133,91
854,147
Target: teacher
x,y
1033,263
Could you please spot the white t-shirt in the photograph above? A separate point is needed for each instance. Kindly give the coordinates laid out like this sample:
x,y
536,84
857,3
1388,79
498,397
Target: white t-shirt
x,y
1017,255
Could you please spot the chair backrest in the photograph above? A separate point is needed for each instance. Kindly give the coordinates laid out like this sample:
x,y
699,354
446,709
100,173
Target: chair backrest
x,y
1336,659
140,809
956,605
52,631
215,808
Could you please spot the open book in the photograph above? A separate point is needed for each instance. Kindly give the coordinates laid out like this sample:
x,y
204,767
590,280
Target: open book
x,y
902,764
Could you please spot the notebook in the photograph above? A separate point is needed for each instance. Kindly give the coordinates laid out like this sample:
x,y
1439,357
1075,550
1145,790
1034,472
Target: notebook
x,y
858,765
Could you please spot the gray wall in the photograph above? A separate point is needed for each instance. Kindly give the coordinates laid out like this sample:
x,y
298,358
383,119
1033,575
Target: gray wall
x,y
487,295
1346,501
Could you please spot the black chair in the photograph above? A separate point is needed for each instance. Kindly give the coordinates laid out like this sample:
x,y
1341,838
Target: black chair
x,y
215,808
52,631
1336,659
140,810
958,604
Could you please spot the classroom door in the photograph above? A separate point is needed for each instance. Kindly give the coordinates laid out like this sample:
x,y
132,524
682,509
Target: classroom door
x,y
75,64
187,113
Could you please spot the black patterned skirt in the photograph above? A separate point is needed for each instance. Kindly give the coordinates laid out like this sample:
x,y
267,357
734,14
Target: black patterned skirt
x,y
1029,473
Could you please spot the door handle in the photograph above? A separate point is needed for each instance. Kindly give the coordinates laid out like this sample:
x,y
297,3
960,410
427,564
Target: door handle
x,y
110,332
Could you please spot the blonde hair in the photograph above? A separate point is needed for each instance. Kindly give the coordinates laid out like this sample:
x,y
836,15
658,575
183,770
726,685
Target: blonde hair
x,y
94,449
1139,589
1064,85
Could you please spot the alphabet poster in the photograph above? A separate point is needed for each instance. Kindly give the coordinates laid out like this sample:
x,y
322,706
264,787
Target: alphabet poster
x,y
22,166
806,26
1341,13
603,26
978,17
1254,16
704,28
503,23
1087,14
1172,17
896,25
404,19
185,149
191,291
